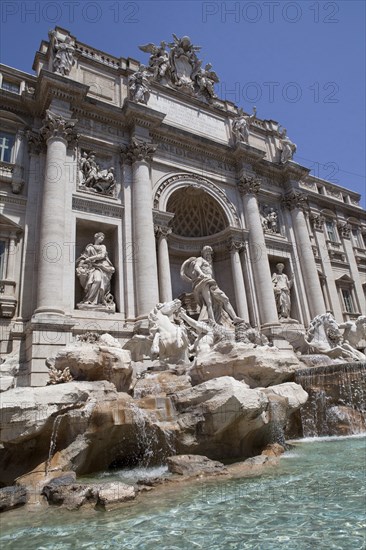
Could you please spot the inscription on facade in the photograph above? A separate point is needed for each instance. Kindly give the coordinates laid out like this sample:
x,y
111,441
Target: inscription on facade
x,y
190,118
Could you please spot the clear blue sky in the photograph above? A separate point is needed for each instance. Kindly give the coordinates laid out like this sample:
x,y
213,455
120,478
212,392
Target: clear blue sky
x,y
300,63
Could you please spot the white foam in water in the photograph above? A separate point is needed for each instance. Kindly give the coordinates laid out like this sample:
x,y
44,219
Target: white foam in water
x,y
134,474
328,438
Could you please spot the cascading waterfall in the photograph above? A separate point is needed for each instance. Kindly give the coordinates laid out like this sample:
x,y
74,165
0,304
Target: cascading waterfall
x,y
337,399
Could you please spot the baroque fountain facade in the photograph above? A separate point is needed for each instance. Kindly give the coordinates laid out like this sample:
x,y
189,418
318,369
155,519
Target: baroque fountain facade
x,y
171,279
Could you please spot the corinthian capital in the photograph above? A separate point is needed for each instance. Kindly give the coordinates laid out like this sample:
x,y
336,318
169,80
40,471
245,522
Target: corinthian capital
x,y
249,184
294,199
345,229
162,230
317,221
138,150
35,142
58,127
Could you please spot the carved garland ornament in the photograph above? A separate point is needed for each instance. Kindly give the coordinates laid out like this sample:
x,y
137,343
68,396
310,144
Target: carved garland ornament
x,y
345,229
317,221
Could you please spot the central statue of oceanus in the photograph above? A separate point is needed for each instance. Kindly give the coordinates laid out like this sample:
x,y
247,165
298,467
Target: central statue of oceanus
x,y
211,299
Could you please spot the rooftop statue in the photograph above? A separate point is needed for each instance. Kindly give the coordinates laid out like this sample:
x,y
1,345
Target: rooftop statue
x,y
180,67
241,125
139,85
159,59
211,299
287,147
64,51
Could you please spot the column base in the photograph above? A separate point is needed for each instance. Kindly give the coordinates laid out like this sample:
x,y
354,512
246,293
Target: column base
x,y
46,334
50,311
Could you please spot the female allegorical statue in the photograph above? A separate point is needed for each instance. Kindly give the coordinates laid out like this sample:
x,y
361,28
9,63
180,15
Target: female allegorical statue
x,y
95,271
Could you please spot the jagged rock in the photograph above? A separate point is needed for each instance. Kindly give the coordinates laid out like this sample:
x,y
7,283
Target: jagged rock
x,y
64,491
26,411
60,491
294,393
112,494
12,497
194,465
102,359
273,449
216,417
255,365
163,383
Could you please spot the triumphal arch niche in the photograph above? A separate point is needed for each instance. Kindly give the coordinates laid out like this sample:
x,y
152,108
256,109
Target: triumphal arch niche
x,y
200,214
154,173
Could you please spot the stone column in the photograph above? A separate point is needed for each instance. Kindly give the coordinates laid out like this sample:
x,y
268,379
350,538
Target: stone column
x,y
10,270
317,221
57,132
295,202
239,287
165,281
128,246
146,275
344,229
249,188
18,180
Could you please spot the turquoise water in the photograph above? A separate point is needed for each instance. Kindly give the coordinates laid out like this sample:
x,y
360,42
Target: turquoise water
x,y
315,499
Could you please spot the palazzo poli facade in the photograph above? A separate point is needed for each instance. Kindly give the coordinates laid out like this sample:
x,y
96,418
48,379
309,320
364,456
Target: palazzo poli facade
x,y
143,167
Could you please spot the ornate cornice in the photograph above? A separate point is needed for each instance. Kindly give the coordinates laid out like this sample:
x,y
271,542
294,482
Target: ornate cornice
x,y
138,151
55,126
249,185
294,199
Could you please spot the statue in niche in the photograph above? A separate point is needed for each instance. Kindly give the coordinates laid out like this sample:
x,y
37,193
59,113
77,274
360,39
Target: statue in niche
x,y
139,85
96,180
64,54
159,59
282,286
287,147
269,218
94,270
211,299
241,126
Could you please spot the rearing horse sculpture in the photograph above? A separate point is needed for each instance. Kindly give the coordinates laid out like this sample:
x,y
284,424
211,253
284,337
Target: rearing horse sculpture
x,y
324,336
169,340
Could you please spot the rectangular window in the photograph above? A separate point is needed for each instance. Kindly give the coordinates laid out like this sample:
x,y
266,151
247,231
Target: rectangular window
x,y
10,86
6,146
347,299
331,232
2,259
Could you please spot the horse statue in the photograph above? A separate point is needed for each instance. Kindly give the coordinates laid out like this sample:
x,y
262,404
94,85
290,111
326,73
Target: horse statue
x,y
170,341
324,336
355,332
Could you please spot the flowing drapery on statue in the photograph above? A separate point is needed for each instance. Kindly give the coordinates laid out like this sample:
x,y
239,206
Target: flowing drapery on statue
x,y
94,270
282,286
211,299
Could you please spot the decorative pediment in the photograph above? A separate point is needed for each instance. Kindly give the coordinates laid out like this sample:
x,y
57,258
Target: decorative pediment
x,y
345,279
8,226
